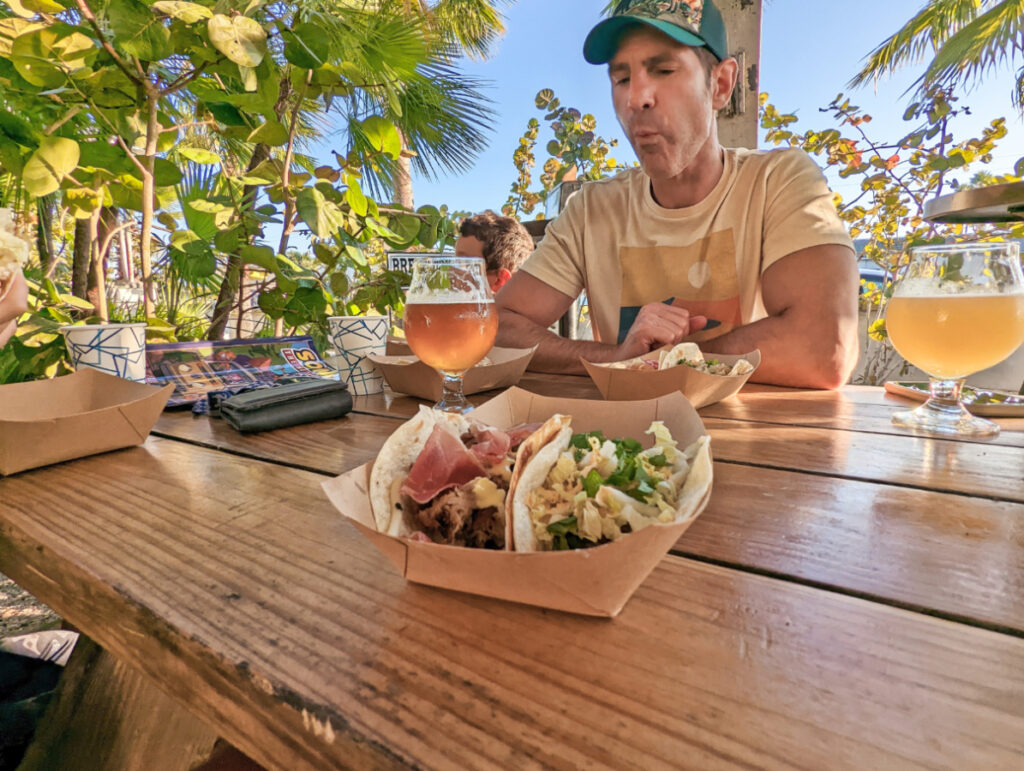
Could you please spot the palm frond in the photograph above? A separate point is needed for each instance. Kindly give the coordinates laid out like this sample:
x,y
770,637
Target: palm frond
x,y
474,25
977,47
198,182
446,118
443,115
926,31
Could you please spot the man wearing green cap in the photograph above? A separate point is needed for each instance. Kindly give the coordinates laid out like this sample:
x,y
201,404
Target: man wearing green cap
x,y
731,248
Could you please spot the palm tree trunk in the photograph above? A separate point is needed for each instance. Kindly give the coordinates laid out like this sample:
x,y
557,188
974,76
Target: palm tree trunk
x,y
81,259
232,283
44,230
403,178
231,286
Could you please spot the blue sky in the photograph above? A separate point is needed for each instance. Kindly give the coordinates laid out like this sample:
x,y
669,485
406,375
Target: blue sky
x,y
806,59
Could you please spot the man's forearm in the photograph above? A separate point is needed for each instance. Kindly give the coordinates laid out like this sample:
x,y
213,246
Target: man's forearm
x,y
794,352
554,353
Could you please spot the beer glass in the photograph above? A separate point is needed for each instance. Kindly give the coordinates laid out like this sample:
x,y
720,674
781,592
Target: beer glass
x,y
450,320
956,310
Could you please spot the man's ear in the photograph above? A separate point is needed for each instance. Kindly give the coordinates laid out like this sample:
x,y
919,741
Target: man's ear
x,y
498,278
723,81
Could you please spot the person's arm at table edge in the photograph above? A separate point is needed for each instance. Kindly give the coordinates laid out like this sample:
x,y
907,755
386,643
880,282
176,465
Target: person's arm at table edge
x,y
809,338
527,306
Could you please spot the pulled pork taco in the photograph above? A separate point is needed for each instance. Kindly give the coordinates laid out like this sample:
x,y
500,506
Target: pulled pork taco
x,y
444,478
574,491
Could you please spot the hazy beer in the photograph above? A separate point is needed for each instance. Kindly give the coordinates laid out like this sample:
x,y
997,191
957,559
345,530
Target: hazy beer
x,y
450,336
952,336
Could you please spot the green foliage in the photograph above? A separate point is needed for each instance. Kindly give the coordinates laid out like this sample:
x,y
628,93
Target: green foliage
x,y
192,116
575,152
897,178
37,349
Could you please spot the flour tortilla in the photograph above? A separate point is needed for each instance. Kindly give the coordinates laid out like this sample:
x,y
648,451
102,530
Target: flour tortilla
x,y
396,458
555,432
688,351
535,470
741,367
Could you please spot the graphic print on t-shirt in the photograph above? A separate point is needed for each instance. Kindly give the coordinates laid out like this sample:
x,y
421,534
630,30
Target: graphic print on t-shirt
x,y
700,277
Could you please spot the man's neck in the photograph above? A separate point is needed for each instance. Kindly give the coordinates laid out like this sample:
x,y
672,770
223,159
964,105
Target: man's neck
x,y
694,183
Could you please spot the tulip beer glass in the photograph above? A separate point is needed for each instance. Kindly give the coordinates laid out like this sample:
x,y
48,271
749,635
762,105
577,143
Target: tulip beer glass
x,y
450,320
958,309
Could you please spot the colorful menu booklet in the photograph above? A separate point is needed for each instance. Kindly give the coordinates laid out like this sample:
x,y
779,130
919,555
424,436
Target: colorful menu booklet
x,y
196,368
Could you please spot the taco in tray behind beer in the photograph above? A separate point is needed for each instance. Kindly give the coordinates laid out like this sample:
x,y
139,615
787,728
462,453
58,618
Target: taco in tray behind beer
x,y
684,354
573,491
444,478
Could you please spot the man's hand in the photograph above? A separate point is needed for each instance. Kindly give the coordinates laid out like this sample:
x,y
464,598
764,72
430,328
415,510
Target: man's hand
x,y
659,324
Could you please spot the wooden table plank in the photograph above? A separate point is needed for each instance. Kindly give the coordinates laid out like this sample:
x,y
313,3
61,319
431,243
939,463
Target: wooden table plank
x,y
238,588
399,405
984,470
944,553
327,446
852,408
933,552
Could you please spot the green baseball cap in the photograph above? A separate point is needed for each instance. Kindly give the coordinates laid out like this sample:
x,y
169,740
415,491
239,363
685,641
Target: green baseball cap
x,y
690,22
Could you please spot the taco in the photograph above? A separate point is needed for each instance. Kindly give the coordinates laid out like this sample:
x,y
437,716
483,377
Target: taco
x,y
579,490
689,354
444,478
684,354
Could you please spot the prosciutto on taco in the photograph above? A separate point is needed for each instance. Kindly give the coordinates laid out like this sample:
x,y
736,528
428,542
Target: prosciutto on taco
x,y
444,478
579,490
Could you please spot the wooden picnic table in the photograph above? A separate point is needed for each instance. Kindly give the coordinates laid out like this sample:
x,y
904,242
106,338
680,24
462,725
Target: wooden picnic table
x,y
851,597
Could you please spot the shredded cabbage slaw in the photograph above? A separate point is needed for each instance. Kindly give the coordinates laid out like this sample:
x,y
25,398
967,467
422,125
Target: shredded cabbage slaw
x,y
601,489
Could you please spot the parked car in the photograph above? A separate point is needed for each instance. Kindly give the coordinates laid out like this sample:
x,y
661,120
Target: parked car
x,y
869,271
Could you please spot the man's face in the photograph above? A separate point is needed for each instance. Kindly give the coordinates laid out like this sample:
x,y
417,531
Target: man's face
x,y
662,99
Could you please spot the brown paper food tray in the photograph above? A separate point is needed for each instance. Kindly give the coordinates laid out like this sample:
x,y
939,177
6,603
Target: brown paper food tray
x,y
596,581
408,375
699,387
396,346
88,412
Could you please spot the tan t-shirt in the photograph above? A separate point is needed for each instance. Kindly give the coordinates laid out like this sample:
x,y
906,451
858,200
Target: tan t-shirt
x,y
614,241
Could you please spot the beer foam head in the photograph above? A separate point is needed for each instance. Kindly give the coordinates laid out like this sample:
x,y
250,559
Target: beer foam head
x,y
448,298
916,286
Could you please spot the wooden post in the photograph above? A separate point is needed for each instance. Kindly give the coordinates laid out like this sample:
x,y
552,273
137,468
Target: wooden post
x,y
737,123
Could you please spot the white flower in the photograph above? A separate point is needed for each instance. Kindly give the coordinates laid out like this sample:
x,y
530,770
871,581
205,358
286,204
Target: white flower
x,y
13,250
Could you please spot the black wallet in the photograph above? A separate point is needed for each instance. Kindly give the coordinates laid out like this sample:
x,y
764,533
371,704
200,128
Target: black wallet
x,y
287,405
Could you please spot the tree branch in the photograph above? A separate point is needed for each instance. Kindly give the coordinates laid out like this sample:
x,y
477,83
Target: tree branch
x,y
90,17
138,164
184,80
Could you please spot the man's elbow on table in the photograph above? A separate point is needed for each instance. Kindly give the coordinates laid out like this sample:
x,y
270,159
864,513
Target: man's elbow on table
x,y
833,370
827,359
811,297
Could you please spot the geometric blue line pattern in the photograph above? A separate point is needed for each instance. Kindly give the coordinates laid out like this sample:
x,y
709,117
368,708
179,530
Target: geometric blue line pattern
x,y
355,338
119,351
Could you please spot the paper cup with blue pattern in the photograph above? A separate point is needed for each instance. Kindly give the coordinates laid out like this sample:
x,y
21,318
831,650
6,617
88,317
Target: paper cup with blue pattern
x,y
355,338
117,349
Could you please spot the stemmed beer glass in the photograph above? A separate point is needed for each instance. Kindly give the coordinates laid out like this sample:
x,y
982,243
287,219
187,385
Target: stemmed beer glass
x,y
957,309
450,320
